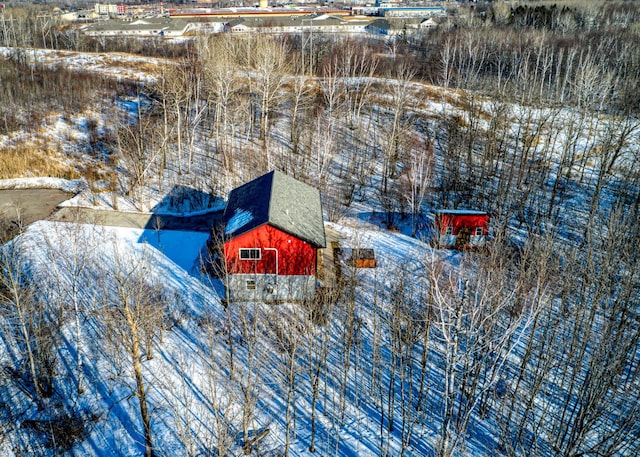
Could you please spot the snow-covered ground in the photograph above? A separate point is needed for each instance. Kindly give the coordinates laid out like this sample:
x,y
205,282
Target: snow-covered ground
x,y
210,363
71,186
120,66
183,390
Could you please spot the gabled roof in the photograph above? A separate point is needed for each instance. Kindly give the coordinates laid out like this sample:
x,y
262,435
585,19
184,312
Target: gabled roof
x,y
278,200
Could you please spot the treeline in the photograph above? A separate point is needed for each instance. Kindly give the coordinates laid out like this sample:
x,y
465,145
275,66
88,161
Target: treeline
x,y
31,90
586,62
549,54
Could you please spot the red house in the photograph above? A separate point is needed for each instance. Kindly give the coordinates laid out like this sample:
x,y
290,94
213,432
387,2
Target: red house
x,y
461,228
273,228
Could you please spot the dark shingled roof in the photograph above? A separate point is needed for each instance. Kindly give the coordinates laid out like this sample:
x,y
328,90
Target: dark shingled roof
x,y
278,200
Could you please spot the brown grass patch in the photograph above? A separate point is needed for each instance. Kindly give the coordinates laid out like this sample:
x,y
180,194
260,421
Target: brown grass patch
x,y
118,60
27,161
99,172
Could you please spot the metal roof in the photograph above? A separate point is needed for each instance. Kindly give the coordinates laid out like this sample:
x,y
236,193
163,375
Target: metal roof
x,y
145,24
395,23
278,200
312,20
463,212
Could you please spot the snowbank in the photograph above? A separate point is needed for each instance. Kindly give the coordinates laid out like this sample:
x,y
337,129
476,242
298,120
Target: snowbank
x,y
66,185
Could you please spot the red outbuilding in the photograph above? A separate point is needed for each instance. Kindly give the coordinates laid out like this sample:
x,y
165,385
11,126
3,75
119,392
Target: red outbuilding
x,y
461,228
273,228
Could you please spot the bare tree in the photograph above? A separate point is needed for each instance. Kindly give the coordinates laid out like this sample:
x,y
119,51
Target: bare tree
x,y
132,313
221,396
599,363
356,67
397,134
319,311
416,180
287,333
220,57
301,98
404,329
247,376
27,322
70,251
269,61
137,147
177,93
477,326
609,153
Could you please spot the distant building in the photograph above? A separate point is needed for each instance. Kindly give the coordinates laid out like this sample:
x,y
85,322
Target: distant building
x,y
413,11
394,26
154,27
176,27
273,228
389,10
461,228
106,9
430,23
317,23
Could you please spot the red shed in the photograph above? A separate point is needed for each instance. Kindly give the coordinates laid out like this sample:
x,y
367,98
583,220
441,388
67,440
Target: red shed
x,y
273,229
461,228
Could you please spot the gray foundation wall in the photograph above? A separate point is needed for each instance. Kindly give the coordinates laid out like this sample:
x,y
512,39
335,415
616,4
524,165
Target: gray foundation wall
x,y
474,241
270,288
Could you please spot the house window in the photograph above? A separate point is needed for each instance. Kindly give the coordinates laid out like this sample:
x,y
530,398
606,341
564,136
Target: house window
x,y
251,284
478,231
449,230
250,254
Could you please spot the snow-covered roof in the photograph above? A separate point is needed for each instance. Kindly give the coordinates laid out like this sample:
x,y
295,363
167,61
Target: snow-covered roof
x,y
461,212
278,200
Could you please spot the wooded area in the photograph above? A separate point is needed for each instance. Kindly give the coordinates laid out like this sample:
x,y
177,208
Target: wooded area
x,y
530,348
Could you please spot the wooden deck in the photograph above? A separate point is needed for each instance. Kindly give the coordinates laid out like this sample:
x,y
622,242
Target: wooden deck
x,y
328,270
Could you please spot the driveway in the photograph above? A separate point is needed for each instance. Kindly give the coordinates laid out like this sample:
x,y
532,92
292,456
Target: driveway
x,y
21,207
196,223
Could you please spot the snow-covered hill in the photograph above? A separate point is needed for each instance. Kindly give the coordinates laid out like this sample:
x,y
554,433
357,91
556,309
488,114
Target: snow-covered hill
x,y
529,348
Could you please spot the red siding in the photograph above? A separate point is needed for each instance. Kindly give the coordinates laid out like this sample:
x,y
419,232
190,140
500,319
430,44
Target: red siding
x,y
294,256
458,221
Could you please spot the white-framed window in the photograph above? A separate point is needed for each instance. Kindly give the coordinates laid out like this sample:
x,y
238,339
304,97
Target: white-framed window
x,y
251,284
250,254
478,231
449,230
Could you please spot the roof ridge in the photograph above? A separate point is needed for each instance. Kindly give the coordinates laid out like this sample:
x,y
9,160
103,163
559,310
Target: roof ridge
x,y
273,180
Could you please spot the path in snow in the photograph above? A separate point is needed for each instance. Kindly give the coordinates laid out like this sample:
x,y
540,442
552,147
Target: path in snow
x,y
21,207
195,223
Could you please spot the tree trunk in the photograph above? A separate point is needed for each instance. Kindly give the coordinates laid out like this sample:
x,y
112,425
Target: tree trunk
x,y
141,392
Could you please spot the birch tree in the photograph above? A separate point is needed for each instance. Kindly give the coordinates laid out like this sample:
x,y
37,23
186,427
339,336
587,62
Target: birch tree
x,y
70,255
271,64
27,323
475,323
132,313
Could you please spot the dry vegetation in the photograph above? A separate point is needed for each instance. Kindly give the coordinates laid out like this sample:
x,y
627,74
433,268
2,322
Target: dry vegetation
x,y
33,161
